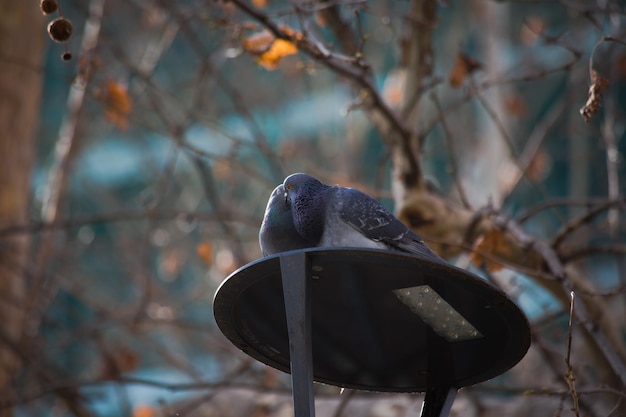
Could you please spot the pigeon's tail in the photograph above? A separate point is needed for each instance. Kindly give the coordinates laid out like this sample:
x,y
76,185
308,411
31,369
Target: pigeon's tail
x,y
419,248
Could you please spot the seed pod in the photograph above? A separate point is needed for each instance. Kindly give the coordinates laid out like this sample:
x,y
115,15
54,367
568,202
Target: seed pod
x,y
48,6
594,100
60,29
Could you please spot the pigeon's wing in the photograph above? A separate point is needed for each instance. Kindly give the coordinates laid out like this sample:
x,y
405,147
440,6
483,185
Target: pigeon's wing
x,y
368,216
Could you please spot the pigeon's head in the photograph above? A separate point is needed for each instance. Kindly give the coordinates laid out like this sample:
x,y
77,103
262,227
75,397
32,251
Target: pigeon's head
x,y
305,197
297,185
278,233
276,205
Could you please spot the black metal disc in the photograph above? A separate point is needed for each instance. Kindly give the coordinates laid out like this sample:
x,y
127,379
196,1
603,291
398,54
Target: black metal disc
x,y
365,333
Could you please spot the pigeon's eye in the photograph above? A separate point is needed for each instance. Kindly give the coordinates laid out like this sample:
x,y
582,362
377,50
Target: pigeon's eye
x,y
288,187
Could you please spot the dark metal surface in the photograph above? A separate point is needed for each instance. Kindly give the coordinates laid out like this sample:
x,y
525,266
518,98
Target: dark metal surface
x,y
297,302
438,401
363,336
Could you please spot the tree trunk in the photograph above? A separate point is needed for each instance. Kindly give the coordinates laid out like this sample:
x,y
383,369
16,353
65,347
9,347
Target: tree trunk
x,y
22,41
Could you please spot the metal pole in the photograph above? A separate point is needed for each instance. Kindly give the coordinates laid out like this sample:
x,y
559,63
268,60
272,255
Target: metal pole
x,y
438,402
297,296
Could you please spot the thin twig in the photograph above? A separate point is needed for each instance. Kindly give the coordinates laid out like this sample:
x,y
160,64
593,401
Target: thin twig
x,y
609,126
541,247
612,249
535,140
513,154
488,84
452,152
569,373
128,216
352,68
60,167
598,335
345,399
63,147
233,94
577,222
558,202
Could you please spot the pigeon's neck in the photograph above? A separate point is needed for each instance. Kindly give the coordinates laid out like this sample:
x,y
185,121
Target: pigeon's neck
x,y
311,214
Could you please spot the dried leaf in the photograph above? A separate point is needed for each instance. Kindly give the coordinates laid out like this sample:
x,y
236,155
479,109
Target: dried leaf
x,y
598,85
222,169
539,166
270,50
205,252
515,105
320,19
393,89
117,103
126,360
144,411
493,243
259,3
463,66
280,49
118,362
258,43
172,260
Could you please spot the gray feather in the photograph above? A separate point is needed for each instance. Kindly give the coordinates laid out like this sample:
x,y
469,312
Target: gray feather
x,y
278,233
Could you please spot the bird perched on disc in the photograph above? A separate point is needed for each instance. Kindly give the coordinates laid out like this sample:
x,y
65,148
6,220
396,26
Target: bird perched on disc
x,y
278,233
325,215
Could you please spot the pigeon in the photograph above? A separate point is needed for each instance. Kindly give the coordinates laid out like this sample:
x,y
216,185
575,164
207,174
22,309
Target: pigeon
x,y
325,215
278,233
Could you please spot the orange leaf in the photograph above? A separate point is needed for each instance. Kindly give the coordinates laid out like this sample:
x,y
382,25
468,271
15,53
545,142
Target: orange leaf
x,y
515,105
463,66
393,89
117,103
222,169
291,32
539,166
205,252
259,3
492,243
144,411
269,50
320,20
279,49
172,261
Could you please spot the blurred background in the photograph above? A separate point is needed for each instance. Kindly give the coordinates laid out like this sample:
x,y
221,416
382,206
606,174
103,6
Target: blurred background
x,y
142,138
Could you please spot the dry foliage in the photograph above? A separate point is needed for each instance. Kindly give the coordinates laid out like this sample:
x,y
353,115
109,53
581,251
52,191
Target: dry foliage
x,y
596,89
269,50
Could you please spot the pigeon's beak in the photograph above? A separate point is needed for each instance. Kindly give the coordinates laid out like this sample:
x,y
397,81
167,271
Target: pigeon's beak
x,y
286,198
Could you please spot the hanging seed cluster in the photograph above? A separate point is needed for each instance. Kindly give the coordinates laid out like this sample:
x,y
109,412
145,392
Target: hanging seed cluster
x,y
59,29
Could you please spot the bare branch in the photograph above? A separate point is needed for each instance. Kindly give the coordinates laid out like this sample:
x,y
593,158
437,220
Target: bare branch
x,y
569,373
63,153
352,68
452,152
578,222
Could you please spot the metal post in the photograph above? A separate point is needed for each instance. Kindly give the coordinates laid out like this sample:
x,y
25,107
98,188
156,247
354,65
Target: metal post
x,y
297,297
438,402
